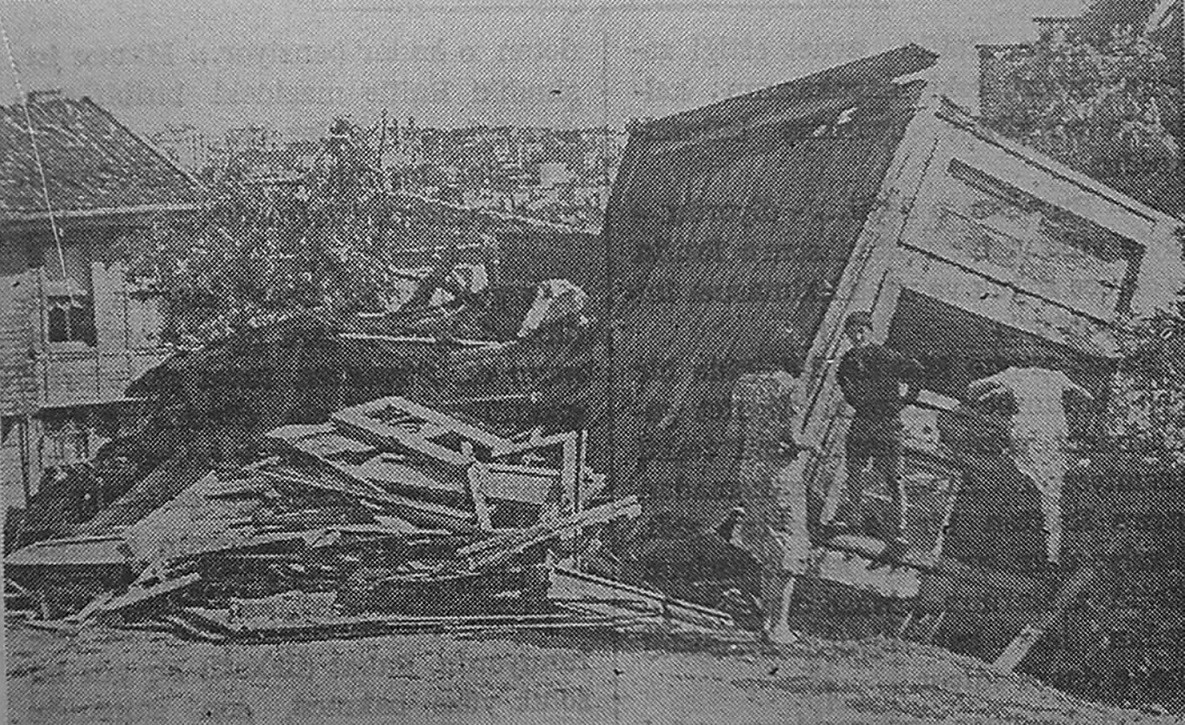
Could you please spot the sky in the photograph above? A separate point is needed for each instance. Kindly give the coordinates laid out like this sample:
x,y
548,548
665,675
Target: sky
x,y
293,66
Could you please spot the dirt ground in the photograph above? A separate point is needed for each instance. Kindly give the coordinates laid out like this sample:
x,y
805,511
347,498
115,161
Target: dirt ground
x,y
104,675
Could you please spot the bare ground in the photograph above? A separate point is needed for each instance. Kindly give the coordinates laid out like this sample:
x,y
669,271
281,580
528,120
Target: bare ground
x,y
104,675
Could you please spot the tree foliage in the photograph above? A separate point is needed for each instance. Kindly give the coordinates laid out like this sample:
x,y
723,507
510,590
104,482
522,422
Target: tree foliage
x,y
1105,101
1104,96
1146,408
258,254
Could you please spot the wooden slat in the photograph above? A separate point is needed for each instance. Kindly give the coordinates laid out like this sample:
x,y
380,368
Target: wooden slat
x,y
496,550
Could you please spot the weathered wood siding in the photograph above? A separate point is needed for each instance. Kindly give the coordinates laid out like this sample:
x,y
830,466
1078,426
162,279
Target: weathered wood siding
x,y
19,304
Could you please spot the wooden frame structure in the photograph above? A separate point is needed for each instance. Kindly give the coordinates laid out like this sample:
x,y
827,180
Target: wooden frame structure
x,y
370,443
904,248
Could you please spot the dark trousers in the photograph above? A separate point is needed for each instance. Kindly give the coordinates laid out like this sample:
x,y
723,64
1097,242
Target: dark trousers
x,y
877,440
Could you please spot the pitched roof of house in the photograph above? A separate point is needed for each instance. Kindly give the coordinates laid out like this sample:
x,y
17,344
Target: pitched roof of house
x,y
92,163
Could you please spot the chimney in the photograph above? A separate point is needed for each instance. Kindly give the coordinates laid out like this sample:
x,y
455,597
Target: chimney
x,y
41,96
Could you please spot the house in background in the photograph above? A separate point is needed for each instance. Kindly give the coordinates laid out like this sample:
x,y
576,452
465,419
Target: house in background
x,y
75,192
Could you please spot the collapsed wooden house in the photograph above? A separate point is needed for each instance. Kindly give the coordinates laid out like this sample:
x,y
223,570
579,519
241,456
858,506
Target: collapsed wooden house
x,y
857,188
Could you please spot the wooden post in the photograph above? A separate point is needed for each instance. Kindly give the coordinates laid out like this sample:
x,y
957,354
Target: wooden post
x,y
25,453
581,458
476,475
570,473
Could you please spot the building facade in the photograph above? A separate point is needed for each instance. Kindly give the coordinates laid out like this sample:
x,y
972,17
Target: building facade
x,y
78,190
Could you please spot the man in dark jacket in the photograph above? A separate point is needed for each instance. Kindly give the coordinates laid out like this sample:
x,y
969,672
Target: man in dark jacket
x,y
878,383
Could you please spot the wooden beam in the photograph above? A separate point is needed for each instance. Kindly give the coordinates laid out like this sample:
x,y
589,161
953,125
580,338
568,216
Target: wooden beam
x,y
588,592
1019,647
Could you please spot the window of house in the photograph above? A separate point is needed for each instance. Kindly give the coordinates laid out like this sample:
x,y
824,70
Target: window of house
x,y
69,302
70,318
987,224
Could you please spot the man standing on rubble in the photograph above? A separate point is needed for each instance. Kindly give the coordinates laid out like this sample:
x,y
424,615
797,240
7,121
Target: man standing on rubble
x,y
878,383
765,423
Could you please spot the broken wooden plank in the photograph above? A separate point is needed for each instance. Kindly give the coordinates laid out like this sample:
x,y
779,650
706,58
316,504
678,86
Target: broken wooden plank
x,y
943,566
406,339
593,593
431,423
73,551
498,549
327,627
241,488
570,472
534,442
428,476
446,517
141,592
477,485
95,605
398,525
1020,646
189,626
578,498
623,507
524,484
322,439
61,626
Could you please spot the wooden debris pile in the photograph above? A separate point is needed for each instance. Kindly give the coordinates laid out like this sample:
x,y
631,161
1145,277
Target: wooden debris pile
x,y
389,517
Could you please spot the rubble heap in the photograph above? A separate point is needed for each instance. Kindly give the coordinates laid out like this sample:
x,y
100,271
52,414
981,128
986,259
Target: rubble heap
x,y
389,516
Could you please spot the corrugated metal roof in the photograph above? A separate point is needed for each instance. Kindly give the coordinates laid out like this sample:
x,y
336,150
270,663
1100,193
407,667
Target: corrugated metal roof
x,y
722,220
91,162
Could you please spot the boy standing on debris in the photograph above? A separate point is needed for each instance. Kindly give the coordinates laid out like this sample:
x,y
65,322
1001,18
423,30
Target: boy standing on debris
x,y
872,378
765,421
